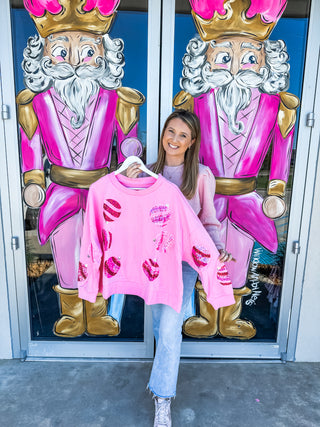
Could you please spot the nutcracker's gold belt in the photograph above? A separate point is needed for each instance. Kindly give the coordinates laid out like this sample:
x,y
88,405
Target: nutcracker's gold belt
x,y
235,186
75,178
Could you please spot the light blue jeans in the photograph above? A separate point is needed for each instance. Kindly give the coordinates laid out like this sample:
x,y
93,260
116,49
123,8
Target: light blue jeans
x,y
167,329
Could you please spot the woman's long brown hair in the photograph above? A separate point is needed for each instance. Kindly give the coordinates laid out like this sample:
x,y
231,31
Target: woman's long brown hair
x,y
191,157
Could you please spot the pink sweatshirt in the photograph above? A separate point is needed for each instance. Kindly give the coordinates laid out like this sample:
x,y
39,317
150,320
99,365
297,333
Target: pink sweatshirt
x,y
135,240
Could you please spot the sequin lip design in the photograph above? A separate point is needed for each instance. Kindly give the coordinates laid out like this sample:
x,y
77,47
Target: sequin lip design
x,y
106,239
163,241
112,266
160,215
82,272
151,269
223,276
111,210
200,256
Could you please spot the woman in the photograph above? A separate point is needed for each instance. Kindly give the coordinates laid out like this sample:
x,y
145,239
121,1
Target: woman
x,y
178,162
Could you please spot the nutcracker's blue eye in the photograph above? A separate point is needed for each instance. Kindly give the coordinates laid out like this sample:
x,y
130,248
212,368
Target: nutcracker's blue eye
x,y
249,59
87,53
59,52
222,58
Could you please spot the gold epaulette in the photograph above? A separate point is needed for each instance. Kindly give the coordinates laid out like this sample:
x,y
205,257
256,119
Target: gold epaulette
x,y
26,115
127,113
287,112
183,100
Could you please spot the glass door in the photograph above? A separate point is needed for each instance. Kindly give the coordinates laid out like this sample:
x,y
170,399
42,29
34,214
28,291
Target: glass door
x,y
245,86
81,80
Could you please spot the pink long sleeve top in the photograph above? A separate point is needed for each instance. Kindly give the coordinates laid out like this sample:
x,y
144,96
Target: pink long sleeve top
x,y
134,241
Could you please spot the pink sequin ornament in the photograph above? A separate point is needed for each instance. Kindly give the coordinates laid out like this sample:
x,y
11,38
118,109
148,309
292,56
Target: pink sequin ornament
x,y
223,275
111,210
160,215
82,272
106,239
200,256
151,269
112,266
163,241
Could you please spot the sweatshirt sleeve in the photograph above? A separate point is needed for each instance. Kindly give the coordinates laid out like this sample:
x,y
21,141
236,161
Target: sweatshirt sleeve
x,y
201,253
207,215
91,250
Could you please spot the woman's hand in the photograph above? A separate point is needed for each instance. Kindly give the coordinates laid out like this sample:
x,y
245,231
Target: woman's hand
x,y
225,256
132,171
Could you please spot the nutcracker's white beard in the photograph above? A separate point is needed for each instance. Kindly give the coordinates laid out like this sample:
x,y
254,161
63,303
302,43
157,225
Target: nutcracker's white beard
x,y
75,86
234,91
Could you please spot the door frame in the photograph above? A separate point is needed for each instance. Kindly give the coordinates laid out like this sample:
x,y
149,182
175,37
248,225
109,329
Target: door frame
x,y
159,86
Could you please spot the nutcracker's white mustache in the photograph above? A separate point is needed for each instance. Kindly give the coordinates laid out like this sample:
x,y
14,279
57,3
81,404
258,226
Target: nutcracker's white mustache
x,y
75,86
234,92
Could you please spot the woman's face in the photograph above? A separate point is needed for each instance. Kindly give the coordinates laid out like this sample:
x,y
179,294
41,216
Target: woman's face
x,y
176,140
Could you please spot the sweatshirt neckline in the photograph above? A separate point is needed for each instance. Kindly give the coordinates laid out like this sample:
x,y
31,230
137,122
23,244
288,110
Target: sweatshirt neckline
x,y
148,184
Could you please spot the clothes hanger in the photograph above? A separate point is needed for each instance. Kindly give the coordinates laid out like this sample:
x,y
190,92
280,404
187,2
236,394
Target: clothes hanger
x,y
134,159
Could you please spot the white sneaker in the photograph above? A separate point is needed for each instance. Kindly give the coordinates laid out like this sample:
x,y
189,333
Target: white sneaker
x,y
162,416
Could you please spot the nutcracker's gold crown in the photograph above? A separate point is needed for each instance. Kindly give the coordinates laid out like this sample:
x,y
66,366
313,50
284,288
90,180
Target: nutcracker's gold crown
x,y
73,17
233,22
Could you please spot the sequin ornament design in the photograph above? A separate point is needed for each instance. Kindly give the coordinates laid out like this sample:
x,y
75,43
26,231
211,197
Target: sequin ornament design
x,y
151,269
200,256
223,275
82,272
111,210
163,241
106,239
112,266
160,215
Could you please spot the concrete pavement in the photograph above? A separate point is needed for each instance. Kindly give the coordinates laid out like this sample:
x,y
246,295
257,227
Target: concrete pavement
x,y
113,394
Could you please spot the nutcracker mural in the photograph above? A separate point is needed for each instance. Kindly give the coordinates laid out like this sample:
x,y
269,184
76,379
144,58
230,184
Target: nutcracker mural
x,y
235,79
72,110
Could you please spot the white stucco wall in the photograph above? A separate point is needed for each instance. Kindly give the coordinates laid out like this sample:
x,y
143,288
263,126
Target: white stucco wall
x,y
308,340
5,337
5,334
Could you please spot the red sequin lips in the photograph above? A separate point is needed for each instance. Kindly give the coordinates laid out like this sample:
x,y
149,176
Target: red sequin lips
x,y
151,269
200,256
160,215
112,266
111,210
106,239
223,276
82,272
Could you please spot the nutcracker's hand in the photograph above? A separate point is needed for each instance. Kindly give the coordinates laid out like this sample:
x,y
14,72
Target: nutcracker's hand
x,y
273,207
34,195
131,147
